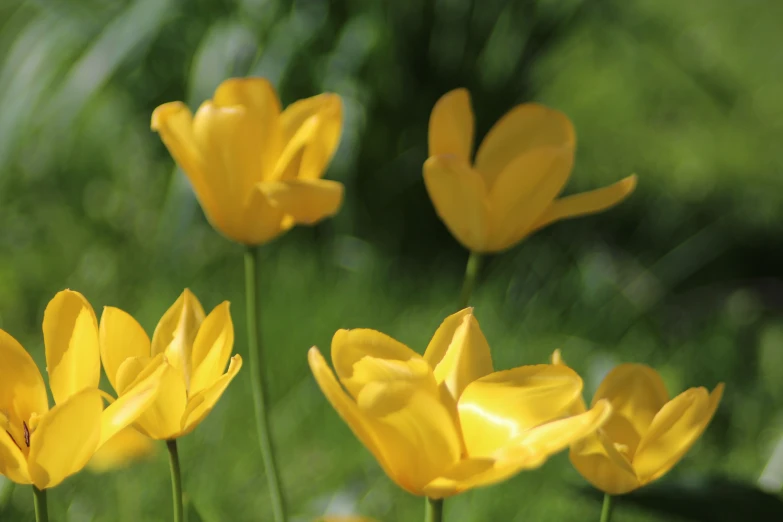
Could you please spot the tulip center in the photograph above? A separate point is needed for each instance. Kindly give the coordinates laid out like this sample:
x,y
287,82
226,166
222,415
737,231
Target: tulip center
x,y
19,432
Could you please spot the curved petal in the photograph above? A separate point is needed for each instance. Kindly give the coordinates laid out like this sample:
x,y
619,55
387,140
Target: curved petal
x,y
135,400
70,331
458,352
524,190
637,393
451,126
459,197
254,93
127,446
600,463
22,389
586,203
121,337
176,331
500,407
363,356
132,368
523,129
174,122
201,404
455,479
12,461
162,420
674,430
312,129
306,200
65,439
212,348
263,220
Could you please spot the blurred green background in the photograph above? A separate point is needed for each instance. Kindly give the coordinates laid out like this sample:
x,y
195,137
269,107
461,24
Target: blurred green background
x,y
687,275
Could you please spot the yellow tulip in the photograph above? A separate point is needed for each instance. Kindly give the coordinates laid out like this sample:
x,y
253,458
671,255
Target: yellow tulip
x,y
647,433
511,188
126,447
256,170
44,446
446,422
193,350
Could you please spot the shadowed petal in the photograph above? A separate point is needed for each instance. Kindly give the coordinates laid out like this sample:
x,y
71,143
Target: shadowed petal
x,y
212,348
121,337
451,126
598,460
22,389
306,200
127,446
201,404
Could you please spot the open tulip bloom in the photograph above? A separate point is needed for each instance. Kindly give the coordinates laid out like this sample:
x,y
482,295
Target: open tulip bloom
x,y
43,446
511,188
443,423
256,170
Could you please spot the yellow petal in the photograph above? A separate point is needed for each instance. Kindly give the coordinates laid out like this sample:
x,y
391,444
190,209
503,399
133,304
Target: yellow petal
x,y
598,460
458,352
523,129
174,122
587,202
176,332
498,408
163,418
126,447
306,200
524,190
202,403
311,130
263,219
121,337
637,393
363,356
212,348
132,367
451,126
459,196
674,430
414,430
13,464
65,439
456,479
134,401
22,389
70,331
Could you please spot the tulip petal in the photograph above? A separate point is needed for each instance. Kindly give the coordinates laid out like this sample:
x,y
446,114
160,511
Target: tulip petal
x,y
201,404
523,129
363,356
131,368
162,420
414,430
65,439
176,331
586,203
458,352
70,331
263,220
212,348
125,447
523,192
459,196
22,389
637,393
121,337
306,200
130,405
174,122
451,126
597,459
12,461
453,480
498,408
674,430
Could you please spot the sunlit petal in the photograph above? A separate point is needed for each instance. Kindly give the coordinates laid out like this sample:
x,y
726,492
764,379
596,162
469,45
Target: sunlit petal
x,y
22,388
163,418
212,348
202,403
176,331
134,401
451,126
121,337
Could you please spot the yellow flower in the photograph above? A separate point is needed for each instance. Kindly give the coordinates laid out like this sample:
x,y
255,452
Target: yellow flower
x,y
126,447
256,170
510,190
647,433
44,446
193,351
445,423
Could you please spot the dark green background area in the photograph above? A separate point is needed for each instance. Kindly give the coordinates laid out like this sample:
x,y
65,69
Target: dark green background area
x,y
686,275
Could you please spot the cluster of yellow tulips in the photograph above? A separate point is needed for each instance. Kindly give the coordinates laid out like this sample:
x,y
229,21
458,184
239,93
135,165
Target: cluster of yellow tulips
x,y
438,424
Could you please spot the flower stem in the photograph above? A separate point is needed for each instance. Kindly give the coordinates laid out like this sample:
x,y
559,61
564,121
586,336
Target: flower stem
x,y
252,307
433,512
41,509
471,272
176,480
606,510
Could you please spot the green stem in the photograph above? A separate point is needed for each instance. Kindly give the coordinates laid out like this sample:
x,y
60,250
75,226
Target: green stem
x,y
41,509
471,272
5,496
606,510
433,512
176,480
252,307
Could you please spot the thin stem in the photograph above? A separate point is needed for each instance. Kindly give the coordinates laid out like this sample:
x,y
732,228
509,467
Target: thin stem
x,y
41,509
252,307
471,272
606,510
176,480
433,512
